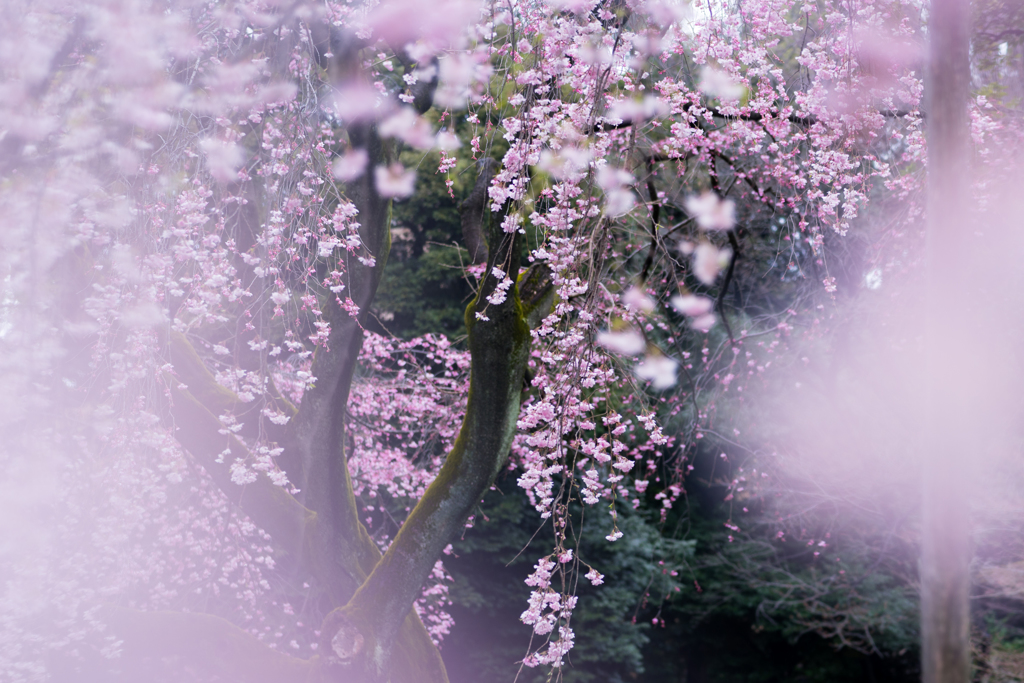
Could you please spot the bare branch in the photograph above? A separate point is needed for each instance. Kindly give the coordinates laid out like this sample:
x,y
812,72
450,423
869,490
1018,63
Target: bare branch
x,y
754,116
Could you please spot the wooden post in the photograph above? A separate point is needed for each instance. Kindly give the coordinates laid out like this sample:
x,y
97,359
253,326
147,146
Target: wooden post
x,y
952,383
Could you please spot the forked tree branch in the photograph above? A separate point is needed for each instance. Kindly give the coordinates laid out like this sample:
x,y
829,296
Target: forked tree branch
x,y
358,639
333,542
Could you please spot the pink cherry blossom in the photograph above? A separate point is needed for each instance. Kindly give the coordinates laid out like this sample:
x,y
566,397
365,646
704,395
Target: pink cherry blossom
x,y
708,261
659,370
350,165
717,83
636,299
394,180
711,212
692,305
628,343
223,159
178,164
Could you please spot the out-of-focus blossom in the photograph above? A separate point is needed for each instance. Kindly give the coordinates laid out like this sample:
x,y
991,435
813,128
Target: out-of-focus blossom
x,y
630,109
435,25
691,305
711,212
394,180
350,165
618,197
704,322
597,55
635,298
456,73
717,83
356,102
610,178
568,163
574,6
223,159
708,260
408,127
627,343
144,316
667,12
659,369
447,141
618,202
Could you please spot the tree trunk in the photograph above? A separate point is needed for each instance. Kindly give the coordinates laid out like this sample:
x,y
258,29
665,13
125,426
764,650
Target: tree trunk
x,y
951,395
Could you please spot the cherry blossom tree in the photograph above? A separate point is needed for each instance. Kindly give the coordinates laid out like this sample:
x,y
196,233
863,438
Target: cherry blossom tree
x,y
196,202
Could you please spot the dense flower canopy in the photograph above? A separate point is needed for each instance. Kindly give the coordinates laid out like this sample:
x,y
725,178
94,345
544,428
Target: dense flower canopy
x,y
195,175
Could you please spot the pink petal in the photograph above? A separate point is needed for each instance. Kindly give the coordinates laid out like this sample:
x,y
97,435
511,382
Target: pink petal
x,y
350,165
692,305
394,180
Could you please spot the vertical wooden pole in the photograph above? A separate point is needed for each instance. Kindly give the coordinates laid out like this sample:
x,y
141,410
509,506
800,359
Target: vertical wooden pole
x,y
952,384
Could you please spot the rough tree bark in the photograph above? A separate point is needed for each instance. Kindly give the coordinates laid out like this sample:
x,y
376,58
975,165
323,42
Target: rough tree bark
x,y
472,209
362,634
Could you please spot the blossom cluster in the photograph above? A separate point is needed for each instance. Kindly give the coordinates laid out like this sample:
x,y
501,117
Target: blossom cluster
x,y
182,169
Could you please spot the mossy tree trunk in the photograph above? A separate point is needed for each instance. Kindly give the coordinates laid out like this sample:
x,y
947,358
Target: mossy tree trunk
x,y
372,635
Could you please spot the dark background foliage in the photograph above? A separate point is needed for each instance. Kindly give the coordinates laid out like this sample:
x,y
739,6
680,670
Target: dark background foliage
x,y
687,598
